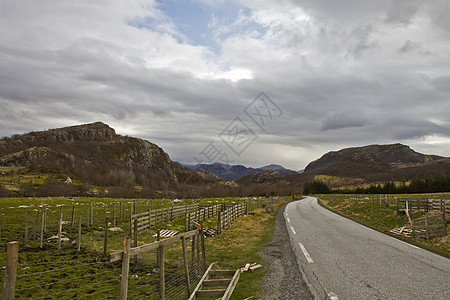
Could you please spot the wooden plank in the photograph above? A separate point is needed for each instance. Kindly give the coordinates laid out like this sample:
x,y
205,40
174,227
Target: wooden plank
x,y
210,293
216,282
221,273
116,256
152,246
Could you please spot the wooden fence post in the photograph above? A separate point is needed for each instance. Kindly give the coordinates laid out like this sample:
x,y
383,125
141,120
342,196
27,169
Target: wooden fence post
x,y
219,224
114,215
45,220
193,253
202,238
158,237
79,234
41,244
60,228
186,268
36,225
162,279
87,219
25,237
105,242
73,215
0,227
120,211
9,284
92,213
125,268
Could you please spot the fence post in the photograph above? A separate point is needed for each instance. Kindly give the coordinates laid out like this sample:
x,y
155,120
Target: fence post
x,y
92,213
9,284
42,231
219,225
186,268
114,215
45,220
79,234
60,228
87,218
202,237
125,268
162,279
73,215
193,253
25,237
105,244
120,211
158,237
135,237
36,225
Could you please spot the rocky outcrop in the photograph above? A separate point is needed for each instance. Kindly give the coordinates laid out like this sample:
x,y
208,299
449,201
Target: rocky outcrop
x,y
95,153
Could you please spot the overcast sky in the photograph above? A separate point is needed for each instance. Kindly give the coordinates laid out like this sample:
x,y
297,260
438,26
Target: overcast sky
x,y
188,74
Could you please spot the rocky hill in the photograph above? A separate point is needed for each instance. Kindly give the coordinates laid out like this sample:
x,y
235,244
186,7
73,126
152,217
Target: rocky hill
x,y
379,162
93,154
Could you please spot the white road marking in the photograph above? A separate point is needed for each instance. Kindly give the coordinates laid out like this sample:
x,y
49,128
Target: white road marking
x,y
293,231
289,220
305,252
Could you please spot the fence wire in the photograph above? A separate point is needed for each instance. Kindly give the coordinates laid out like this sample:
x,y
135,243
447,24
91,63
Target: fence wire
x,y
144,276
71,279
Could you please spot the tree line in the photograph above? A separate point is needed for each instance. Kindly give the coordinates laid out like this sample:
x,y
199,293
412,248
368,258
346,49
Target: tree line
x,y
427,185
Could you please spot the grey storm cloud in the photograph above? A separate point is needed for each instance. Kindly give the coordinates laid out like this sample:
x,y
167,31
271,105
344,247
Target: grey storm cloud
x,y
344,73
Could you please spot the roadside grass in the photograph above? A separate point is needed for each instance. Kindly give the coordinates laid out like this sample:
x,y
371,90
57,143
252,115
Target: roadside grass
x,y
242,244
383,219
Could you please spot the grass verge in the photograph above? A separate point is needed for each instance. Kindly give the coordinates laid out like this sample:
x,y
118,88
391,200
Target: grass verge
x,y
242,244
383,219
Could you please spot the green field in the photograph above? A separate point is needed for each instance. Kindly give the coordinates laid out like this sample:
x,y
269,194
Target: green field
x,y
49,273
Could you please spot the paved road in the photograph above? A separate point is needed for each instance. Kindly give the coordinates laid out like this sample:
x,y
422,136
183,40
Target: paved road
x,y
341,259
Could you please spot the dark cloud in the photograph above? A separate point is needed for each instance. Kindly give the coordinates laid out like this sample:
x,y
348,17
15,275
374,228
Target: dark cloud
x,y
345,73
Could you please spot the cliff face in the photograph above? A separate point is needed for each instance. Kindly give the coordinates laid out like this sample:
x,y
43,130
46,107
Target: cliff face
x,y
95,154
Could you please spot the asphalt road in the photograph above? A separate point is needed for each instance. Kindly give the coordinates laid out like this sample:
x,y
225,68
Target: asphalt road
x,y
341,259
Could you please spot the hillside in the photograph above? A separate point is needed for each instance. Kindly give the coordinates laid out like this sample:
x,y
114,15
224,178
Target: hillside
x,y
91,155
379,162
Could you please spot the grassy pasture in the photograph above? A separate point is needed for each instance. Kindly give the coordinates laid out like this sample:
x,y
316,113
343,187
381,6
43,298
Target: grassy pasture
x,y
49,273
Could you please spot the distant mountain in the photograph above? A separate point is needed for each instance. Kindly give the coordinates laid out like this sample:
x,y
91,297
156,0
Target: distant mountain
x,y
379,162
93,155
236,171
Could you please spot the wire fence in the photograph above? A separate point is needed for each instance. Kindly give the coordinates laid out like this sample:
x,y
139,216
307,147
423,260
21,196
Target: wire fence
x,y
48,272
92,278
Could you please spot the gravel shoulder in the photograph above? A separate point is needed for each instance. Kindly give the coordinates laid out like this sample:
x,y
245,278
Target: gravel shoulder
x,y
285,279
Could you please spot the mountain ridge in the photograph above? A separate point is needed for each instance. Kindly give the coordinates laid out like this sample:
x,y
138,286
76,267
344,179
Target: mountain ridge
x,y
236,171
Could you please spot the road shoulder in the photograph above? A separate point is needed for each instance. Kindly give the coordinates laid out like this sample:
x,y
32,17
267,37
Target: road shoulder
x,y
284,279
